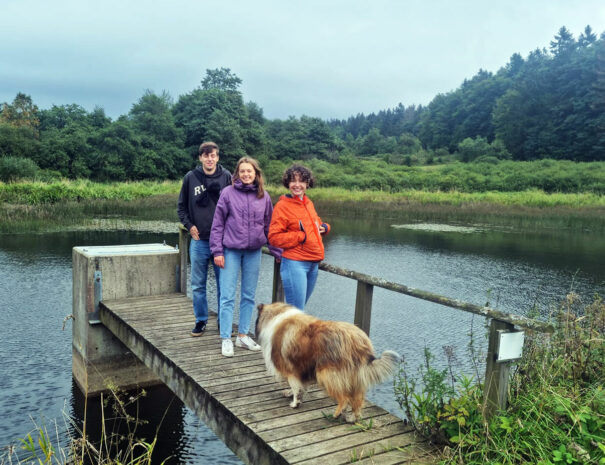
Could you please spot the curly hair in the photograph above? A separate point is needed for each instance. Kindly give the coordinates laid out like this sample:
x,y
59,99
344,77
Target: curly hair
x,y
303,173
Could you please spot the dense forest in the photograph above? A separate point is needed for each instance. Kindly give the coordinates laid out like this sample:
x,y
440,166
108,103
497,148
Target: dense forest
x,y
550,104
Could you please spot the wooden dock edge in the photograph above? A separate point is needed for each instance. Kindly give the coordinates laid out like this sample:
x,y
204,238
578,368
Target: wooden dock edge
x,y
230,429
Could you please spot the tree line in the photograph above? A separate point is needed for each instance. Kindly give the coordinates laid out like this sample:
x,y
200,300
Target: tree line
x,y
548,105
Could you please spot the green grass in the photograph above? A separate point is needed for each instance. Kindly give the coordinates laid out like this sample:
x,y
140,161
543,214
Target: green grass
x,y
531,198
505,176
556,411
37,206
118,443
35,193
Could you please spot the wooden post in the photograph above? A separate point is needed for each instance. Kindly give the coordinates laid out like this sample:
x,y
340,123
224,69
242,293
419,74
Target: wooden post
x,y
278,288
184,252
495,391
363,306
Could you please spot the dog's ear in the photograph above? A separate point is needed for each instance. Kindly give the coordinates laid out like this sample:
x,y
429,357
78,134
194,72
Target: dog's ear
x,y
260,307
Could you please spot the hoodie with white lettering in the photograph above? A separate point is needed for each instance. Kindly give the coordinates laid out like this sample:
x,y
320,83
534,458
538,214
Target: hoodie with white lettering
x,y
198,198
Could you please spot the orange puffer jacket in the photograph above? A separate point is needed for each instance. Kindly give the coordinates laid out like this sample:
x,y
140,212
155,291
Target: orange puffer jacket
x,y
295,229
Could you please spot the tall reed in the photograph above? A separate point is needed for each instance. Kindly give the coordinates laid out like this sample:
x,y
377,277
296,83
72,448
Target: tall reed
x,y
118,443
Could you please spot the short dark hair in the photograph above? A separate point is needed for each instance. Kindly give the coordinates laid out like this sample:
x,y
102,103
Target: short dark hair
x,y
207,147
303,173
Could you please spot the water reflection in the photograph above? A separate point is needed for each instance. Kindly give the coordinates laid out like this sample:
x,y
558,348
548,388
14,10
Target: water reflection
x,y
551,248
512,271
157,412
36,381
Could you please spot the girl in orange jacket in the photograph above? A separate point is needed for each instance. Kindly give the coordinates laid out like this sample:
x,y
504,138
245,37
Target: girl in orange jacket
x,y
297,229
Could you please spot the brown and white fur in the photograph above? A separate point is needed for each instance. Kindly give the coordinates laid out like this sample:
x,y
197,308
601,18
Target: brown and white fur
x,y
338,356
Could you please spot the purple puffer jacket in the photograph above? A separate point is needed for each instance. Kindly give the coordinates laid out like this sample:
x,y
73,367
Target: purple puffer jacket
x,y
241,220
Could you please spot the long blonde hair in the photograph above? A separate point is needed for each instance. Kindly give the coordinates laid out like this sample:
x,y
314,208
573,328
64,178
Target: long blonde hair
x,y
258,179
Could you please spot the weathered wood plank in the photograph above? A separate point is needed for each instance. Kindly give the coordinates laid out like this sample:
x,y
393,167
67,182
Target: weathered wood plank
x,y
277,402
205,363
250,390
228,376
221,388
517,320
241,439
320,435
325,405
420,453
238,399
257,397
349,448
363,306
152,316
130,302
313,425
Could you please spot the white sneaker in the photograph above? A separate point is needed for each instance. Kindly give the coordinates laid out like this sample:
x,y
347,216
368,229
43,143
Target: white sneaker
x,y
227,349
246,342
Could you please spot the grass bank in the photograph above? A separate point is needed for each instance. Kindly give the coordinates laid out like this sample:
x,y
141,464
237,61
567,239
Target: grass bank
x,y
556,404
37,206
36,193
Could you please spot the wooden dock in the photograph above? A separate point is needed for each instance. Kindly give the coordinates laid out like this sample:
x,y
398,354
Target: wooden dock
x,y
241,403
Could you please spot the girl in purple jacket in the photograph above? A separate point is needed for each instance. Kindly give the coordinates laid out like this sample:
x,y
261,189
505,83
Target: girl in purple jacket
x,y
239,229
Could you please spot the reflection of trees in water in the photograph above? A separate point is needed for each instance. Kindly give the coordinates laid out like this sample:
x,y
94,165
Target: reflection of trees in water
x,y
562,250
158,412
34,248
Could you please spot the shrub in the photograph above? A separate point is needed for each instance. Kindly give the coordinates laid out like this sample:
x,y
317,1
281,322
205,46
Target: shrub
x,y
556,404
14,168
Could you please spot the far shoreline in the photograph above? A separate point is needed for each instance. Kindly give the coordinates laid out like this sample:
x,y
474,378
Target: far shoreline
x,y
133,202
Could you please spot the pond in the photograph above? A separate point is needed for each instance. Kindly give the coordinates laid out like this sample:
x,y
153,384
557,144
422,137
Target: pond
x,y
513,271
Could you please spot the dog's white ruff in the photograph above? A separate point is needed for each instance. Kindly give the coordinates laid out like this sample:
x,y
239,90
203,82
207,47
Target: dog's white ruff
x,y
266,337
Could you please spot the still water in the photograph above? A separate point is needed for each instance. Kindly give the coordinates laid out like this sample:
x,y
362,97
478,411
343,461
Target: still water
x,y
510,270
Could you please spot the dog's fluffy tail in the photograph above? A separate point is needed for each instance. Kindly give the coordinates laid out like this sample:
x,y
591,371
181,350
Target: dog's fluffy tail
x,y
380,369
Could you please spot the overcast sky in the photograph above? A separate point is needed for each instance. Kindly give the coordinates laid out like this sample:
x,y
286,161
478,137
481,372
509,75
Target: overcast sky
x,y
330,59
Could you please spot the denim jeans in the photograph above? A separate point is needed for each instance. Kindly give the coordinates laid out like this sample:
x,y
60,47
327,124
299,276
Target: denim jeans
x,y
298,279
199,252
248,261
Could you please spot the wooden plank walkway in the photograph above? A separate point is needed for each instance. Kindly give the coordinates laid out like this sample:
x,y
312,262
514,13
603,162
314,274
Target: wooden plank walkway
x,y
241,403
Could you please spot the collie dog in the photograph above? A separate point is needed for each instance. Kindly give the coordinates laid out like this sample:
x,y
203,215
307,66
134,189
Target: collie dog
x,y
338,356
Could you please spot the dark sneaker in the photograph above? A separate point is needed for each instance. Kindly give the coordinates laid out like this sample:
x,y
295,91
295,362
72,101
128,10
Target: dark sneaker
x,y
200,327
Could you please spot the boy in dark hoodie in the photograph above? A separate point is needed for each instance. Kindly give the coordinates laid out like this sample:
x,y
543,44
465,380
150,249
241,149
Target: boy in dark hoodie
x,y
197,201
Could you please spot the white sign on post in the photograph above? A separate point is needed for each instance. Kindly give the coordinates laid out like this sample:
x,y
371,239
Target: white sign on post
x,y
510,345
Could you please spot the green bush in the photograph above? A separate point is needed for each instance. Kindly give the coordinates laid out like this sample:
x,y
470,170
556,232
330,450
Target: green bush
x,y
556,401
14,168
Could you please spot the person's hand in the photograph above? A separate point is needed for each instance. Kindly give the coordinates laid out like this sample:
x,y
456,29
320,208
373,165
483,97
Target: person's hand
x,y
194,233
219,261
322,229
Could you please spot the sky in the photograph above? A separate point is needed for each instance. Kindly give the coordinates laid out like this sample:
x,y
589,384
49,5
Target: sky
x,y
322,58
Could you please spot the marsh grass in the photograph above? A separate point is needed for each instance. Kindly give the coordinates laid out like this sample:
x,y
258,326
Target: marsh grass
x,y
118,444
528,198
556,411
24,218
36,192
36,206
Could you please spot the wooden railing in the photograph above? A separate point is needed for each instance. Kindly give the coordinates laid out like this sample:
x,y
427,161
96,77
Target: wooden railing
x,y
496,373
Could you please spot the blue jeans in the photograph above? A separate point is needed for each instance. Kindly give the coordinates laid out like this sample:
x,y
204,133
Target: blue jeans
x,y
249,263
199,252
298,279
